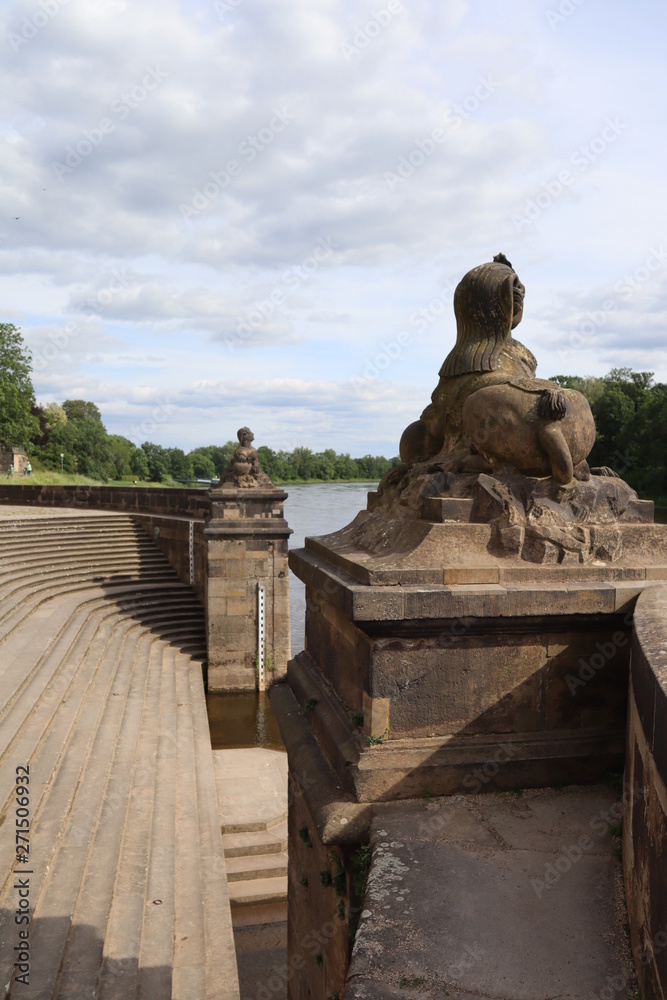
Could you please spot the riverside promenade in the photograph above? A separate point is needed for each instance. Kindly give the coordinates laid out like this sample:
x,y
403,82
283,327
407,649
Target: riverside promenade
x,y
120,868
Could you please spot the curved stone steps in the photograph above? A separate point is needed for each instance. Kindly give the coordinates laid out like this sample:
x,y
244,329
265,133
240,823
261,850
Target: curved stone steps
x,y
26,583
49,682
82,959
29,544
30,594
53,814
101,691
16,605
178,621
25,684
46,740
103,566
56,919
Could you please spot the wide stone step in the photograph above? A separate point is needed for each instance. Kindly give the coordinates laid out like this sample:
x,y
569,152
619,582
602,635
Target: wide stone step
x,y
220,957
241,869
257,891
48,528
49,629
128,903
273,915
69,558
31,544
239,845
252,789
93,573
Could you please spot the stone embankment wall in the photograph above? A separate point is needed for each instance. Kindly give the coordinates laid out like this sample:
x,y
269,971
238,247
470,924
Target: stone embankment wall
x,y
165,514
645,817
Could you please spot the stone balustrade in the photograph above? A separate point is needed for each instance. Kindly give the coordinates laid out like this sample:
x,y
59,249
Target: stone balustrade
x,y
645,814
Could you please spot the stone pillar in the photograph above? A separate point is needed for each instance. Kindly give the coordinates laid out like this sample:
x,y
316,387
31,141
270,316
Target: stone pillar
x,y
246,539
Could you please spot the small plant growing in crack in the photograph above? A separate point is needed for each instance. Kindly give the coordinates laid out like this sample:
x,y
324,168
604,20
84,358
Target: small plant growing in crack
x,y
305,836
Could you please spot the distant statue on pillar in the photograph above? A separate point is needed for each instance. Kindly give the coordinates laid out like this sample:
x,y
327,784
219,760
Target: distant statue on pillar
x,y
244,471
246,539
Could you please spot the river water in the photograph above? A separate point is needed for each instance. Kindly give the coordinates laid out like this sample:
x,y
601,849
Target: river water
x,y
317,509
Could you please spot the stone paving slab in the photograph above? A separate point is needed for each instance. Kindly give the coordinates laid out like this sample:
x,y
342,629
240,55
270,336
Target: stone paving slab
x,y
252,788
515,896
263,974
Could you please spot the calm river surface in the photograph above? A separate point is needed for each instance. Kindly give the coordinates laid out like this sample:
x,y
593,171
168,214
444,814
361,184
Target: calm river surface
x,y
317,509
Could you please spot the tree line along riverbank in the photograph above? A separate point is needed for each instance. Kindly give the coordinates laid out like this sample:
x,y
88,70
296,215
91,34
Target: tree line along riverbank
x,y
68,442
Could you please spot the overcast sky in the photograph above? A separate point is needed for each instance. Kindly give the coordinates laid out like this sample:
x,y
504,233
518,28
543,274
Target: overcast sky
x,y
227,212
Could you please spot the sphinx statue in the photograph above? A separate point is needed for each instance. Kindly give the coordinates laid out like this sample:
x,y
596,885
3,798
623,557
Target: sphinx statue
x,y
244,471
499,446
488,412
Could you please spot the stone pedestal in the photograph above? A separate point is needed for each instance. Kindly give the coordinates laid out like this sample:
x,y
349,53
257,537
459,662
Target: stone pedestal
x,y
468,670
246,538
438,661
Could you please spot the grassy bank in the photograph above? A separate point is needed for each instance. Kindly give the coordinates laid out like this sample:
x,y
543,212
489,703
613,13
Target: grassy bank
x,y
42,477
45,477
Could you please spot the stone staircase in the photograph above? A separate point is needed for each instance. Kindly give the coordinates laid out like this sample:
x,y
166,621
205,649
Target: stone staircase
x,y
252,798
101,696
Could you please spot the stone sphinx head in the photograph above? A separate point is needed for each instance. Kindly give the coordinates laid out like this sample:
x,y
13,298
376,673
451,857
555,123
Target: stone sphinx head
x,y
488,304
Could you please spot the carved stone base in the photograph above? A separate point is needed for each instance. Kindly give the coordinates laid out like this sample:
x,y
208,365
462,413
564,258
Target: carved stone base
x,y
536,520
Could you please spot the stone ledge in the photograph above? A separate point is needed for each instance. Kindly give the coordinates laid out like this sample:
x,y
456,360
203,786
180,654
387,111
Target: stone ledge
x,y
556,593
266,528
339,819
411,552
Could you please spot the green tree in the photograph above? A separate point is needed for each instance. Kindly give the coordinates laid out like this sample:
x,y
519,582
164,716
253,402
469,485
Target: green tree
x,y
180,466
139,464
78,409
54,415
630,413
122,450
18,424
85,445
202,465
157,460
